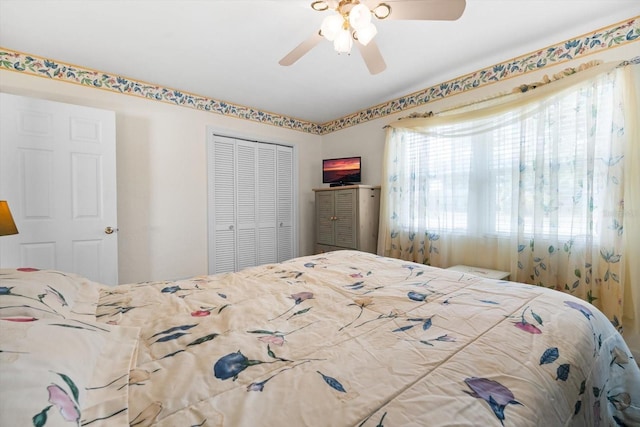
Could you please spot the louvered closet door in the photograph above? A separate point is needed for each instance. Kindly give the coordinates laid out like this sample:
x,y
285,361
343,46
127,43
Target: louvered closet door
x,y
251,203
285,203
222,188
246,237
267,204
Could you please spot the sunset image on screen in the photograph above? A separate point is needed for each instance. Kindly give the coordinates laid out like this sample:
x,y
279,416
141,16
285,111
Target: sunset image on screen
x,y
345,170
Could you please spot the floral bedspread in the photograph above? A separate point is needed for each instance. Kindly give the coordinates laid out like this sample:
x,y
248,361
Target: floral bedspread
x,y
339,339
353,339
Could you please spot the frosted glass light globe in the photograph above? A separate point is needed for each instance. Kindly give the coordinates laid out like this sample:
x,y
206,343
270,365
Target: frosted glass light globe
x,y
343,42
359,16
331,26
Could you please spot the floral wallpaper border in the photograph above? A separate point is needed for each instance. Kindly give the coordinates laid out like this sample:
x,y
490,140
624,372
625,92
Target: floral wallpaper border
x,y
599,40
44,67
609,37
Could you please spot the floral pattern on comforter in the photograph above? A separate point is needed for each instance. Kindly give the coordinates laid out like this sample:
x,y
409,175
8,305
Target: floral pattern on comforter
x,y
352,339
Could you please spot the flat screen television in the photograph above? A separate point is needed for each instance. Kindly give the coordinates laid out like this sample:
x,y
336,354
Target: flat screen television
x,y
342,171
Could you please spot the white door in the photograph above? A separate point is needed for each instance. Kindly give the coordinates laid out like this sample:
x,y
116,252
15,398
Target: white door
x,y
58,174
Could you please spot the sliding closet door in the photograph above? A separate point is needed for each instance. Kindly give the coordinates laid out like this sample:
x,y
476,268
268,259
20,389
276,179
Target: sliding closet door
x,y
251,220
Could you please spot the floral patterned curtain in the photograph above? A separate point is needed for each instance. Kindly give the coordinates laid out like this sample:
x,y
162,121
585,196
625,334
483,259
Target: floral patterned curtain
x,y
537,184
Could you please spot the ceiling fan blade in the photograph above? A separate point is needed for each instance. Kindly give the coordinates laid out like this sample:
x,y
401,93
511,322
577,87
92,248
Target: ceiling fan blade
x,y
436,10
300,50
372,57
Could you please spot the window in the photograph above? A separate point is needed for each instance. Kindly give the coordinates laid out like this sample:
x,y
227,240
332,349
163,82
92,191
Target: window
x,y
511,172
534,184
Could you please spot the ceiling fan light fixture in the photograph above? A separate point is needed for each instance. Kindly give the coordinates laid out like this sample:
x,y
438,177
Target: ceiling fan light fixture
x,y
366,34
331,26
343,41
382,11
352,20
359,16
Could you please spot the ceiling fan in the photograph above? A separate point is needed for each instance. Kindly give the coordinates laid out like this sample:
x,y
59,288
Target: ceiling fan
x,y
352,22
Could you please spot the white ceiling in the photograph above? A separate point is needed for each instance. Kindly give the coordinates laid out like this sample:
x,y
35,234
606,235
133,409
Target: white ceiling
x,y
229,50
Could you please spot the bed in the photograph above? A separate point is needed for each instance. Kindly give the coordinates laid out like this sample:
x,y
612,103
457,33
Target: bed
x,y
344,338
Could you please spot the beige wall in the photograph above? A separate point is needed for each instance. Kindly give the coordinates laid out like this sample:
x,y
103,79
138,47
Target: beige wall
x,y
162,175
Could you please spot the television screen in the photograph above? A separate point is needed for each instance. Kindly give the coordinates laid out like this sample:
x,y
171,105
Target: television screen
x,y
343,170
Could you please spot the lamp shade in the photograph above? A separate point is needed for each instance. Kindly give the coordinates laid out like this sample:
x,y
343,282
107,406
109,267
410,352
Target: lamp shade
x,y
7,226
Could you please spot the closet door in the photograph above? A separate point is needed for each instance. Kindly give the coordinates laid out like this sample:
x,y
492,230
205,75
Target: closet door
x,y
285,203
250,198
267,204
222,205
246,221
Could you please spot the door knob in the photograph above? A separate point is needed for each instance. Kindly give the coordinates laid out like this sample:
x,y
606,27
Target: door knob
x,y
110,230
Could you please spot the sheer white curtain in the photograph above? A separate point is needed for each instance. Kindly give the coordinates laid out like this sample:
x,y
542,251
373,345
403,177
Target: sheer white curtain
x,y
544,184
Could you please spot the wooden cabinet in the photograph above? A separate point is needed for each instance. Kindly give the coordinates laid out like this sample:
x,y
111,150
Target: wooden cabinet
x,y
347,218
